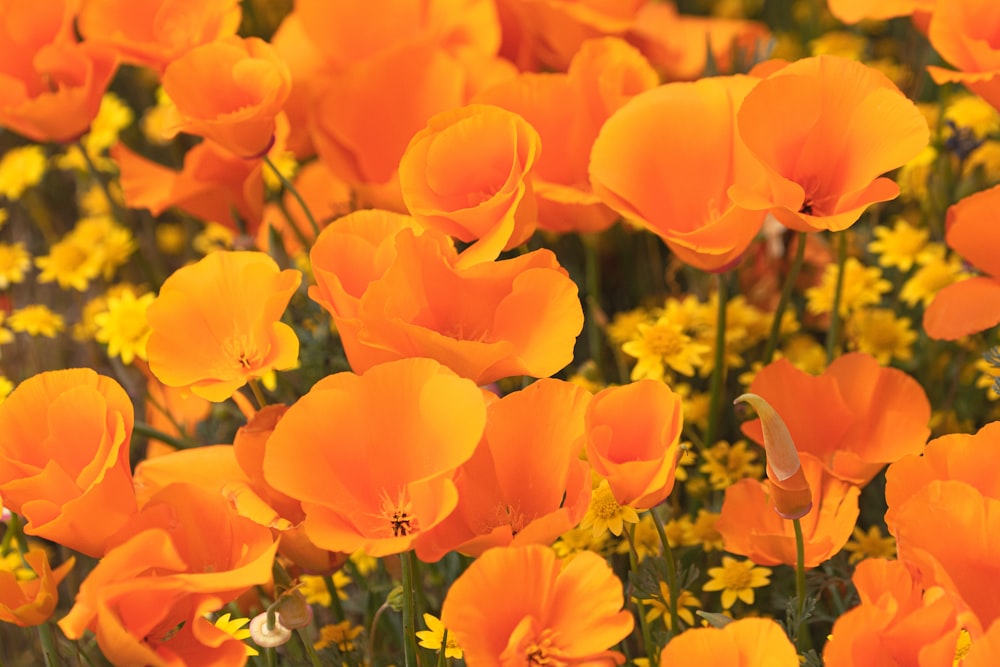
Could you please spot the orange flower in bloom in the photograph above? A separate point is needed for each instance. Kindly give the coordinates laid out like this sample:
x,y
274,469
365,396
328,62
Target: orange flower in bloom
x,y
965,34
484,196
633,441
856,417
973,305
897,621
750,528
523,606
31,602
216,323
50,85
526,483
748,642
214,185
374,483
230,91
666,160
185,555
843,125
64,457
155,33
568,110
402,295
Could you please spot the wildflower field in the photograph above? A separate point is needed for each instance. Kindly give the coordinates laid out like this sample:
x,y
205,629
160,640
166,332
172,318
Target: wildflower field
x,y
500,332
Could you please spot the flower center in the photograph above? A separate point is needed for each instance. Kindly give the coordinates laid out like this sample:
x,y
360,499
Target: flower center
x,y
399,514
665,340
242,350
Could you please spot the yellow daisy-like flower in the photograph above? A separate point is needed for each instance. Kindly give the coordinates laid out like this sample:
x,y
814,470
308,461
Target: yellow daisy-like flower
x,y
737,579
703,530
605,513
870,544
341,635
112,117
913,176
625,326
974,114
170,238
646,539
664,344
6,386
110,243
363,563
726,464
930,279
839,43
69,264
433,637
14,263
286,164
36,320
988,374
659,606
20,169
678,532
986,158
878,332
235,627
159,122
214,237
579,539
316,590
899,246
124,327
862,286
806,353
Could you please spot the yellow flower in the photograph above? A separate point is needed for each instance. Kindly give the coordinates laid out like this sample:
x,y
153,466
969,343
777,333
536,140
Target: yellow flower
x,y
658,606
159,123
862,286
579,539
112,117
913,176
930,279
36,320
109,243
363,563
20,169
899,246
839,43
646,538
235,628
6,386
214,237
69,264
625,325
663,344
678,531
703,530
342,635
989,370
316,591
870,544
433,636
878,332
170,238
737,579
606,514
972,113
286,164
123,326
726,464
14,263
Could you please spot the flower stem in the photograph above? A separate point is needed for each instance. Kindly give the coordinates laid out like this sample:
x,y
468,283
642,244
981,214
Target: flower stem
x,y
719,367
48,644
834,333
310,651
592,271
144,429
668,556
258,394
295,193
409,605
800,586
444,649
786,297
335,606
633,561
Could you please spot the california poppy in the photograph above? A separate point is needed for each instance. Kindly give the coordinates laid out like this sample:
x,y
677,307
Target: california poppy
x,y
230,91
972,305
843,125
216,323
964,33
374,483
748,642
540,610
64,457
32,601
484,196
854,11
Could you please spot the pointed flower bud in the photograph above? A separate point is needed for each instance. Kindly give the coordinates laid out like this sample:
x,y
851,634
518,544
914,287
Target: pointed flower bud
x,y
789,488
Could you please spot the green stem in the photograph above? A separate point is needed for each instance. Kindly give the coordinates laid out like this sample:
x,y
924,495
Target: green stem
x,y
444,649
335,606
786,297
295,193
258,394
272,657
633,561
719,367
800,586
310,651
142,428
592,269
673,588
48,644
112,204
834,333
409,607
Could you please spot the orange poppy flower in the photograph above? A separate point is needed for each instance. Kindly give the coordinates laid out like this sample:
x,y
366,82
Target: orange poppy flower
x,y
214,185
395,295
185,555
856,417
64,457
155,33
843,125
526,483
897,621
216,323
568,110
964,33
748,642
484,195
633,441
750,528
230,91
375,483
50,85
855,11
32,602
538,609
973,305
666,160
985,650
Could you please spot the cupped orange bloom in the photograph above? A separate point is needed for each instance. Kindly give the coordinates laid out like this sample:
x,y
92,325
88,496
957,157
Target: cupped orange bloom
x,y
393,295
526,483
216,323
568,110
633,441
32,601
973,305
856,417
50,85
523,606
748,642
484,195
155,33
666,160
374,483
230,91
843,125
64,457
750,528
214,185
965,34
897,621
185,555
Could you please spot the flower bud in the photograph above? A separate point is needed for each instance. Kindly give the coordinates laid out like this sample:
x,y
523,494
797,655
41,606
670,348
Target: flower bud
x,y
293,611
